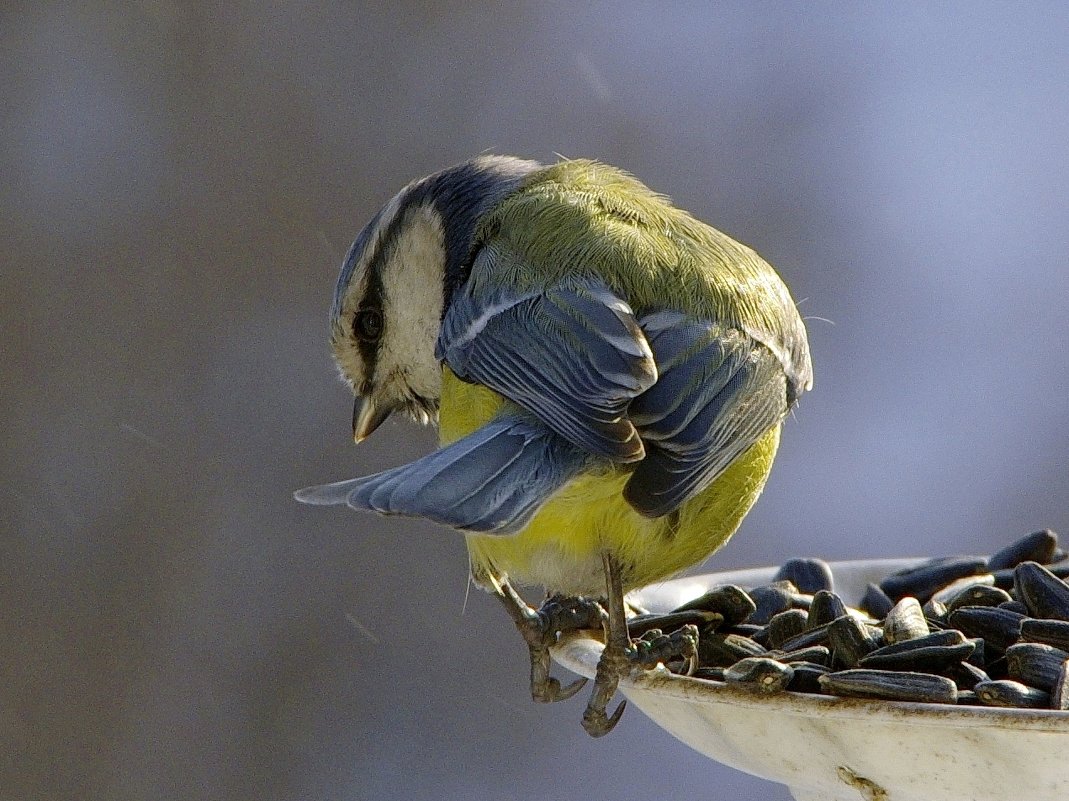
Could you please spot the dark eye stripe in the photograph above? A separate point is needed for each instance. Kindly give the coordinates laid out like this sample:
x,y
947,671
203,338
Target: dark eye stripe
x,y
370,305
374,292
352,258
373,297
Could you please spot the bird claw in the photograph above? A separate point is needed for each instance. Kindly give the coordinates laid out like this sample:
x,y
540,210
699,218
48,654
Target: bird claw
x,y
622,655
542,628
597,724
551,690
617,660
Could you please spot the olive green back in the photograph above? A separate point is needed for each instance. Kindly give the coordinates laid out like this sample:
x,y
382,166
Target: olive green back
x,y
580,218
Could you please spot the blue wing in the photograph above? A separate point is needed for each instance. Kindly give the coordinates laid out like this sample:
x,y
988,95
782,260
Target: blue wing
x,y
680,397
493,480
717,393
572,355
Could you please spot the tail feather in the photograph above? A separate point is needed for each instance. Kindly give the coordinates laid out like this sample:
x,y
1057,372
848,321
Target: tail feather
x,y
493,480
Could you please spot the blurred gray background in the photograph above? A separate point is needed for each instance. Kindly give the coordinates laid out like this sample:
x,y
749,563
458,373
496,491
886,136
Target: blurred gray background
x,y
179,184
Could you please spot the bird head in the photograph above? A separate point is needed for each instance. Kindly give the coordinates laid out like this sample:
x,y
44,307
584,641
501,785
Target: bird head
x,y
395,285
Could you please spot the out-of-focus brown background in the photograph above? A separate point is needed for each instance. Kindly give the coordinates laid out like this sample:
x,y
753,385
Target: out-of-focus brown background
x,y
179,183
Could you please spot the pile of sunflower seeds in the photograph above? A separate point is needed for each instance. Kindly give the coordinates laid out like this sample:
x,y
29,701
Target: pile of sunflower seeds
x,y
987,631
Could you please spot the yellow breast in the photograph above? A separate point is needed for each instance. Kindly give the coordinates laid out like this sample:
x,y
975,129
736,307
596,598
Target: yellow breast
x,y
561,547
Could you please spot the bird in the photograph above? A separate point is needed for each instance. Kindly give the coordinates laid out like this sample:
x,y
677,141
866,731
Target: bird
x,y
608,375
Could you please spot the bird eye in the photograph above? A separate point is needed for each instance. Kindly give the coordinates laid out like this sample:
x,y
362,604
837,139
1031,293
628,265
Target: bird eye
x,y
367,325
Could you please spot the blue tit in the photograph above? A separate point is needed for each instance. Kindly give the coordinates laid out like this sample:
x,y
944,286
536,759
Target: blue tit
x,y
608,375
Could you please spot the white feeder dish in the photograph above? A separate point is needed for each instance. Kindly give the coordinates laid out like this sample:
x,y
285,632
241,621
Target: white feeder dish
x,y
842,749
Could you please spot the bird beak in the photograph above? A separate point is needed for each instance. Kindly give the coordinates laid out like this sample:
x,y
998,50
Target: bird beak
x,y
367,417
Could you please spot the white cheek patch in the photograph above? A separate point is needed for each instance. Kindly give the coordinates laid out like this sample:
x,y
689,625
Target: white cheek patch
x,y
412,283
350,365
346,353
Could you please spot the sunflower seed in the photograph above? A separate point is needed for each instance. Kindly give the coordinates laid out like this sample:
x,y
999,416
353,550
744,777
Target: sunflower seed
x,y
944,594
817,654
935,612
905,621
948,637
640,624
721,650
677,646
929,654
1039,546
1007,692
890,685
850,639
1035,664
770,600
759,673
924,580
808,575
876,602
978,657
786,625
1045,595
978,595
745,629
825,608
710,673
808,638
728,600
761,636
948,631
999,628
1014,606
1048,632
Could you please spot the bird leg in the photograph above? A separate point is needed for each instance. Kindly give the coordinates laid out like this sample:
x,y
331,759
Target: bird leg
x,y
620,655
615,660
540,630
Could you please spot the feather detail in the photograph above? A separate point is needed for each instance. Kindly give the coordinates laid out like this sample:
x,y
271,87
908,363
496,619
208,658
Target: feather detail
x,y
493,480
574,356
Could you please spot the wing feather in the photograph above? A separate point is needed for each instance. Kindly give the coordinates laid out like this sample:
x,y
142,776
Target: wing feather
x,y
717,393
574,356
493,480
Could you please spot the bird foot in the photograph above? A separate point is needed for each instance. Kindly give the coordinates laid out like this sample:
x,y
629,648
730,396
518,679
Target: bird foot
x,y
678,650
615,663
542,628
618,660
557,615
